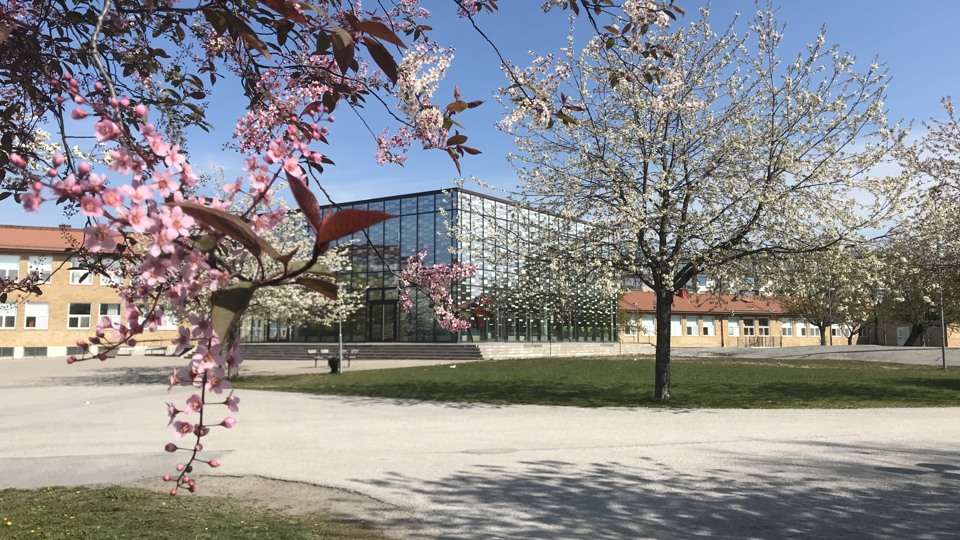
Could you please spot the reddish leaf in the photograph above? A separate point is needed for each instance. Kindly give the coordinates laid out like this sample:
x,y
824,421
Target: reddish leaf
x,y
382,57
471,151
230,225
307,202
380,30
285,9
456,139
346,222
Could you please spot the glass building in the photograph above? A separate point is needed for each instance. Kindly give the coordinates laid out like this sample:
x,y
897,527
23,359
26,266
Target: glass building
x,y
523,273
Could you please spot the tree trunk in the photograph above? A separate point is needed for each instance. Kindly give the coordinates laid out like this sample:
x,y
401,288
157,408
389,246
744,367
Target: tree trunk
x,y
661,390
823,335
915,333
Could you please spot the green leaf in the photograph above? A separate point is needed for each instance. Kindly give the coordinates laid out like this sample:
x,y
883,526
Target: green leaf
x,y
229,305
323,287
230,225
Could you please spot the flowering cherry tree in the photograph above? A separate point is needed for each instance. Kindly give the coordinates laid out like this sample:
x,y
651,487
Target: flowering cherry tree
x,y
729,154
436,281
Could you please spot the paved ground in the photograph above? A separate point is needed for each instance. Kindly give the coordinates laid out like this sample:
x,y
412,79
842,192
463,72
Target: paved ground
x,y
462,471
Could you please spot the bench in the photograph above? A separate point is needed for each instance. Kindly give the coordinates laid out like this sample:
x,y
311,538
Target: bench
x,y
317,356
155,350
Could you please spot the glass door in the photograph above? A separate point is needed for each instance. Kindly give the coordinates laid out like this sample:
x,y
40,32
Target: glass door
x,y
382,320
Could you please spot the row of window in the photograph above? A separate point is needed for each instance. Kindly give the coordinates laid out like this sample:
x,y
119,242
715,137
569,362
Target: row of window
x,y
43,265
706,326
36,315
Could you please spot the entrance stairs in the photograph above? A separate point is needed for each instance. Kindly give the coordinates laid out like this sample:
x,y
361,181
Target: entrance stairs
x,y
365,351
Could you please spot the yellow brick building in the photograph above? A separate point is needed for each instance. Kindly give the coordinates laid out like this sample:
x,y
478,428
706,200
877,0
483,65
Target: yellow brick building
x,y
72,302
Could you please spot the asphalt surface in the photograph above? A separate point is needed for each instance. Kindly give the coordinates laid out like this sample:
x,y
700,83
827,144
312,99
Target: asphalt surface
x,y
463,471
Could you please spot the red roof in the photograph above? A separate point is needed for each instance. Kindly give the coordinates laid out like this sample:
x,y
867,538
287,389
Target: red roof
x,y
42,239
710,304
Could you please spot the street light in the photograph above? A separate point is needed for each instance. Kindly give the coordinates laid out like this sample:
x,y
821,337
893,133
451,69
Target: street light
x,y
636,320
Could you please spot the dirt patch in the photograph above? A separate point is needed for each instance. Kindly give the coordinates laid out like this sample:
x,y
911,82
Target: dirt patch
x,y
298,498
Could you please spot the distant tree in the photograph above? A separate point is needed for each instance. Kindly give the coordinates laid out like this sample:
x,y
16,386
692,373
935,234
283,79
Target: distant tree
x,y
731,153
839,285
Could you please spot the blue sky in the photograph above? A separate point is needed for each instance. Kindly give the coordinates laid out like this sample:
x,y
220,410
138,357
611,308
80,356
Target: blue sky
x,y
918,42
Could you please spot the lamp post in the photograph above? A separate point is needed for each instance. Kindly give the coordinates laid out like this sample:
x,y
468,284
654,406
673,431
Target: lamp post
x,y
636,320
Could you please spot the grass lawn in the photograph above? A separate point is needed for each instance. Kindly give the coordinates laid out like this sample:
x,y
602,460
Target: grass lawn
x,y
594,382
116,512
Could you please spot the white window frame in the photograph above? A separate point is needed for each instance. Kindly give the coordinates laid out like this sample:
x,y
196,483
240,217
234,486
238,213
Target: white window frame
x,y
8,311
114,317
43,264
835,331
749,330
763,329
733,327
709,325
676,329
814,331
632,329
786,327
39,312
648,325
692,329
80,276
10,267
801,328
79,318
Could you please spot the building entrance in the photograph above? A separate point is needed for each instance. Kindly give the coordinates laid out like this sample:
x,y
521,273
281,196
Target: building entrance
x,y
382,320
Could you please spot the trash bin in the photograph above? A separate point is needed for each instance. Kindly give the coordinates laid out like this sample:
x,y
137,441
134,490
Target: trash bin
x,y
334,363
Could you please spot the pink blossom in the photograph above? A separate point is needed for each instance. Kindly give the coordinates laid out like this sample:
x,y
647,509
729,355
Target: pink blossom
x,y
137,218
78,114
229,422
100,237
17,161
232,402
175,222
183,341
106,130
194,404
216,381
90,206
182,428
112,198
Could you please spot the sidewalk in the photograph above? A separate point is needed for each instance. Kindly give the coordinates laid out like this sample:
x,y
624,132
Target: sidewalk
x,y
155,369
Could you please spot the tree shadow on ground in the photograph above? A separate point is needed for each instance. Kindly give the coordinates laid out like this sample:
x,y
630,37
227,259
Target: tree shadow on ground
x,y
824,498
113,377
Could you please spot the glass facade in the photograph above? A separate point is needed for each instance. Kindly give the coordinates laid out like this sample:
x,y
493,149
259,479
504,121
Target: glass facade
x,y
520,253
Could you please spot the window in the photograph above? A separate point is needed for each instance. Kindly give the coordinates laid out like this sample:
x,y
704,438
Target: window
x,y
748,328
10,267
111,278
733,327
42,265
32,352
112,311
632,325
835,330
708,326
763,327
814,331
801,327
36,316
864,332
6,352
675,328
786,327
648,326
79,316
692,328
8,316
79,276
